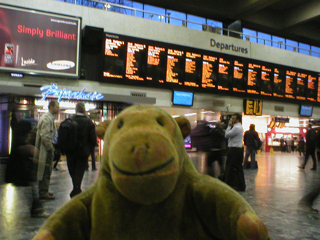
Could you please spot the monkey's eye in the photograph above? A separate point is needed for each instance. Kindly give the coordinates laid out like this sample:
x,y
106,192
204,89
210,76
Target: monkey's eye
x,y
120,124
160,121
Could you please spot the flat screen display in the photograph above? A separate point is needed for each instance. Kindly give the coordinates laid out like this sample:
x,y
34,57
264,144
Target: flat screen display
x,y
187,142
182,98
40,43
144,62
305,111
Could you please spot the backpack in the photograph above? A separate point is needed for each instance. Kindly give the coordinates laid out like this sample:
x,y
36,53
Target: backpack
x,y
68,135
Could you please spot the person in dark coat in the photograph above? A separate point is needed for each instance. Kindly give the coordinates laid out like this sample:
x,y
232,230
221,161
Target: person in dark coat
x,y
77,160
201,136
311,143
201,140
216,151
251,141
301,146
21,168
283,144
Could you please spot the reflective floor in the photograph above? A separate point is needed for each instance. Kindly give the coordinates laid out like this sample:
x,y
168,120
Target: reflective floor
x,y
273,190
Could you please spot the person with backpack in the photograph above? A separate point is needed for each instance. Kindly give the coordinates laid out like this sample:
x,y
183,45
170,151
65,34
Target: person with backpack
x,y
311,143
253,143
76,141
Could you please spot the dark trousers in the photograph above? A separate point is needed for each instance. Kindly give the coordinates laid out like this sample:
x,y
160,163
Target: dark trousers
x,y
250,152
309,198
76,166
212,157
234,175
93,157
312,152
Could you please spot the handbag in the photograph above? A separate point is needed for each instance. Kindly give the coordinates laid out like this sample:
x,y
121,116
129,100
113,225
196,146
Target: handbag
x,y
257,144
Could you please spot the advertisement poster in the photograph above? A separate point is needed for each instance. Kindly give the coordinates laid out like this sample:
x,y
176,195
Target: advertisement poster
x,y
40,43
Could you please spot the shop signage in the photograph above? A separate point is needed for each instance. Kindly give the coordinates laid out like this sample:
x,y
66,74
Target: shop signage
x,y
279,108
17,75
281,120
252,107
54,91
227,47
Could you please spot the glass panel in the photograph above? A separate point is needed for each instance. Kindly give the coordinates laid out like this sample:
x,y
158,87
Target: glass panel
x,y
249,35
216,26
291,45
154,13
127,4
99,5
278,42
304,48
264,38
176,18
316,51
195,22
139,6
112,7
213,23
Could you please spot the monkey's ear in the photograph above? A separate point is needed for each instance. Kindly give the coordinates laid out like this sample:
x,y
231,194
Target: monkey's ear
x,y
102,128
184,125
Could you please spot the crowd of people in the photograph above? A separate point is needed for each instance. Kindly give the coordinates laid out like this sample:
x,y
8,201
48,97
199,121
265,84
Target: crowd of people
x,y
212,142
224,143
32,158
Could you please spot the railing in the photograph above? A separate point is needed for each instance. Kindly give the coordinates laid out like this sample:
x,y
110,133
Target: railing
x,y
107,6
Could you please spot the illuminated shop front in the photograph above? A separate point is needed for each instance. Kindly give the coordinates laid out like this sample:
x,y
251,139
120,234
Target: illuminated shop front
x,y
32,108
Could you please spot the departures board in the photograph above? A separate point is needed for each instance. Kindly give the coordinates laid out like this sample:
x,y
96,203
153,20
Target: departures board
x,y
142,62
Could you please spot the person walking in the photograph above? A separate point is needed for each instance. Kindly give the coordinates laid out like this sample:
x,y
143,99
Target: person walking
x,y
77,160
301,146
253,143
311,143
21,169
234,175
216,151
45,133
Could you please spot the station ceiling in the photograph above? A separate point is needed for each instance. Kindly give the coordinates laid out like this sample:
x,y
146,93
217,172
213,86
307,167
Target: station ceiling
x,y
293,19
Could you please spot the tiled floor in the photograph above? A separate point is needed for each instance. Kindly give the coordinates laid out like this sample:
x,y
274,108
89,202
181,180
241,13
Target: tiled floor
x,y
273,191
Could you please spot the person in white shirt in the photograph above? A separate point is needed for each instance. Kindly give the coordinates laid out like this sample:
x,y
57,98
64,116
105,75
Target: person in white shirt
x,y
234,175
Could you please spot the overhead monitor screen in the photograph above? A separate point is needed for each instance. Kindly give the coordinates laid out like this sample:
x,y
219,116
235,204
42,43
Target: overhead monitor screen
x,y
291,83
114,60
224,74
305,111
175,66
265,81
239,76
193,67
279,82
182,98
311,91
302,80
148,63
156,64
39,43
209,71
136,58
254,76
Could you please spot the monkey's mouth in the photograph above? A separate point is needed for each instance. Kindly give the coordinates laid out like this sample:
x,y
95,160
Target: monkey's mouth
x,y
152,170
